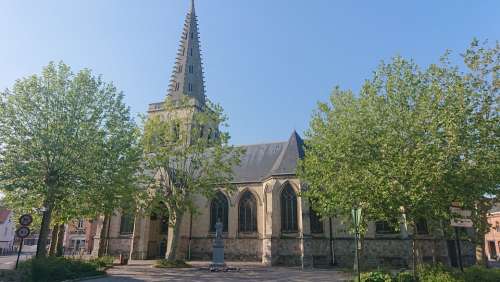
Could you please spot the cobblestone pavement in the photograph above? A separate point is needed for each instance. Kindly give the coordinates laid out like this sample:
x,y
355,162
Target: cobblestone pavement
x,y
143,271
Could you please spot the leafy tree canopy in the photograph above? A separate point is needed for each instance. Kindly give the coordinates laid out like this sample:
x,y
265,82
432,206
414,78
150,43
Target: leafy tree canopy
x,y
186,155
413,141
68,143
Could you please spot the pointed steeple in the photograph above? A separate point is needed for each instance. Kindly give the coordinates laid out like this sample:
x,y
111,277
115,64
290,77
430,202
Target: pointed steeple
x,y
191,8
187,75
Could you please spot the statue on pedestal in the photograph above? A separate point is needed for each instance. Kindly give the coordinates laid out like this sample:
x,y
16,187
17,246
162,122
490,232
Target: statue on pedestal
x,y
218,249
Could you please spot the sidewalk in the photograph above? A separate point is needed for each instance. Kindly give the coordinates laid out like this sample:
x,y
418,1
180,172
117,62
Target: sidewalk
x,y
248,271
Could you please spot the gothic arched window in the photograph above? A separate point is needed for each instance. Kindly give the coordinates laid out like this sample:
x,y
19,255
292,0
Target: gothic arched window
x,y
288,210
247,213
219,211
315,222
127,223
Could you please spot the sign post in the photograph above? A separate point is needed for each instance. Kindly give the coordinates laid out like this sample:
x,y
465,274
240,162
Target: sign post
x,y
356,217
464,222
19,251
459,251
23,232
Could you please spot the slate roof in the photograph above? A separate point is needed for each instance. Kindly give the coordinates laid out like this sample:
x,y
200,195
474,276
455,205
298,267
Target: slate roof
x,y
261,161
495,208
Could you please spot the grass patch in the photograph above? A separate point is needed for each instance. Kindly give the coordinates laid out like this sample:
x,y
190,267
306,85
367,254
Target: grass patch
x,y
9,275
376,276
163,263
435,273
103,262
54,269
480,273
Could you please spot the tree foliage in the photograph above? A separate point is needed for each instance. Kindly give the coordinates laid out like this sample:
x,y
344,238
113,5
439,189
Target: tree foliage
x,y
186,155
68,143
413,141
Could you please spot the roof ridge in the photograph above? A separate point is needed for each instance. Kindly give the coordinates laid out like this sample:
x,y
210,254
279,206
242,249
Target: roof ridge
x,y
280,165
263,143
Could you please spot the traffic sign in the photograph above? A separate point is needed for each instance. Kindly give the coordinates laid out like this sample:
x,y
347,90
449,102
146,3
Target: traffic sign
x,y
461,218
25,219
461,222
23,232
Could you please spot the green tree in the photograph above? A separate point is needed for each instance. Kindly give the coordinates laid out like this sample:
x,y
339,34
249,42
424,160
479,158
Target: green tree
x,y
477,173
66,138
186,154
407,144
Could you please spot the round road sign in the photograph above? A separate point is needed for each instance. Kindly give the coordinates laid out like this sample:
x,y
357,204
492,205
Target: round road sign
x,y
23,232
25,219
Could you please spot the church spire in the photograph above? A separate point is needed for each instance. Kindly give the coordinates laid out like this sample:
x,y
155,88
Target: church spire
x,y
192,6
187,76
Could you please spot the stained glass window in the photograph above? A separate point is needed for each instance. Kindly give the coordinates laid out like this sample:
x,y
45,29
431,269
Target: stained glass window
x,y
247,213
288,210
219,211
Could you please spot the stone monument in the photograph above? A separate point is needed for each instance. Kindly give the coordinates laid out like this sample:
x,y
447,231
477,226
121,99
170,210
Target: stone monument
x,y
218,250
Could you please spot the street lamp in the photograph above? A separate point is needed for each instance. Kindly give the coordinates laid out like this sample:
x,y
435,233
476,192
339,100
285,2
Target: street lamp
x,y
356,218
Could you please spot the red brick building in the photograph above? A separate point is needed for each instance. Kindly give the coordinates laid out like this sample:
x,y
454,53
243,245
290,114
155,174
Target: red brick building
x,y
492,238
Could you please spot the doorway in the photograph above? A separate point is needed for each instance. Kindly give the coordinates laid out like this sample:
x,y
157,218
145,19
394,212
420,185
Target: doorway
x,y
493,250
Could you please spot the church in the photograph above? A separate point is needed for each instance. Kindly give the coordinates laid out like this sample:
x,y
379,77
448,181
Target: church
x,y
265,219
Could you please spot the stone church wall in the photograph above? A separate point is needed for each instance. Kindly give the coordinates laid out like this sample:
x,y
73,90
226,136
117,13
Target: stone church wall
x,y
242,249
119,246
393,252
284,248
321,251
289,252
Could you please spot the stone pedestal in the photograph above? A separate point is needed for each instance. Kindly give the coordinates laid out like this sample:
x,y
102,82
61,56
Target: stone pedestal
x,y
218,253
218,250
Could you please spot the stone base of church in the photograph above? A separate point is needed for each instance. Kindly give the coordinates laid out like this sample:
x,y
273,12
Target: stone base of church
x,y
393,253
241,249
116,247
376,252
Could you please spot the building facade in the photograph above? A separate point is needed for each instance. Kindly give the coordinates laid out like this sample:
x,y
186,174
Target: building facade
x,y
265,218
75,240
492,238
7,232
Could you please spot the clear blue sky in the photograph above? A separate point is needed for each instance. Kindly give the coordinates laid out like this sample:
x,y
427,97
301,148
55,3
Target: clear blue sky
x,y
267,62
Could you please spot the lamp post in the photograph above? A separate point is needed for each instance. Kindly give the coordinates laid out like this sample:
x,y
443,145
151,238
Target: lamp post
x,y
356,217
332,261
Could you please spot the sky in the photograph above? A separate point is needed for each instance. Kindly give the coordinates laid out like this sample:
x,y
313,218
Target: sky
x,y
267,62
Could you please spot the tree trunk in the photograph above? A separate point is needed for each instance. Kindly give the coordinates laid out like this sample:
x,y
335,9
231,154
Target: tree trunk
x,y
103,236
53,240
434,255
60,241
172,251
41,249
480,252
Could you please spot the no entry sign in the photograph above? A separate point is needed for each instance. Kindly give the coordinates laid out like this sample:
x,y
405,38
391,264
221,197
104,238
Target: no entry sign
x,y
25,219
23,232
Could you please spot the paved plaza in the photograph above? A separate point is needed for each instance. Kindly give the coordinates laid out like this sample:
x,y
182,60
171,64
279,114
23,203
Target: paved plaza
x,y
143,271
8,262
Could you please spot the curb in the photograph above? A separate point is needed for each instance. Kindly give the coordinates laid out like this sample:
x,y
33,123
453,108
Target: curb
x,y
86,278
